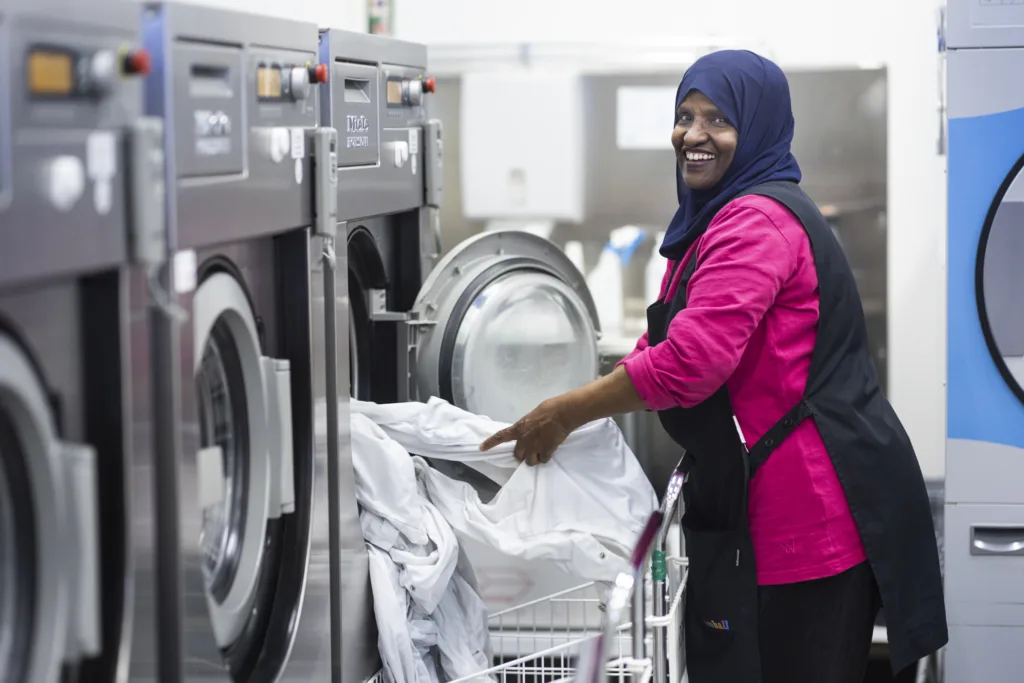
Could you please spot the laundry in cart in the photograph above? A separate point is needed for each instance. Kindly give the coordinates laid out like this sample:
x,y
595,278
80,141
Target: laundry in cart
x,y
425,600
582,512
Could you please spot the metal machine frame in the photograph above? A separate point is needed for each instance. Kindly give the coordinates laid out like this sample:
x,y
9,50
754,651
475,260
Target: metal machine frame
x,y
983,553
81,229
252,498
373,99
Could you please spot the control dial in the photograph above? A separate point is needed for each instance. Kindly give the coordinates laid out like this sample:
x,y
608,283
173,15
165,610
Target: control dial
x,y
100,72
298,80
414,93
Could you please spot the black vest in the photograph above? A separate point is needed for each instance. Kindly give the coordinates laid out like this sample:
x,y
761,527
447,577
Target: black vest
x,y
869,449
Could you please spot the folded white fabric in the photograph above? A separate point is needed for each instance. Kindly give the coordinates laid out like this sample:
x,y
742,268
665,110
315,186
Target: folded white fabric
x,y
582,511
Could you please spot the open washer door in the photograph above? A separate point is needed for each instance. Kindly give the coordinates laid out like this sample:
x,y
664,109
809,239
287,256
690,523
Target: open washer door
x,y
49,535
504,322
243,469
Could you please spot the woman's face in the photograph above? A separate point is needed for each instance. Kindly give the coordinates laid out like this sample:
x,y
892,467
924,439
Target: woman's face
x,y
704,140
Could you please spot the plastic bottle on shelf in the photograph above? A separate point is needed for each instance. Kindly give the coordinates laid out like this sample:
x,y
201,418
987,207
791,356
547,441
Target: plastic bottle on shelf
x,y
574,251
605,281
655,271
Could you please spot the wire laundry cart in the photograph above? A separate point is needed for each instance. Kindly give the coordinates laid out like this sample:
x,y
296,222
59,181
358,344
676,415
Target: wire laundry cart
x,y
630,630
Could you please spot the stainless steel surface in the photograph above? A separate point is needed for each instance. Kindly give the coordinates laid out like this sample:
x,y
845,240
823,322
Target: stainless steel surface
x,y
380,192
449,331
660,579
638,628
841,144
240,203
71,301
999,540
380,155
354,631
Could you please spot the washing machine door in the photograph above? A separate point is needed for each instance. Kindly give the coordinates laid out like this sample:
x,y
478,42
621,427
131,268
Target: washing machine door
x,y
243,465
504,322
999,279
49,543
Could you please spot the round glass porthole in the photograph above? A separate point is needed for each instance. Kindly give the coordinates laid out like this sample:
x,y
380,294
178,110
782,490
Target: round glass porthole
x,y
1000,280
17,553
224,423
525,337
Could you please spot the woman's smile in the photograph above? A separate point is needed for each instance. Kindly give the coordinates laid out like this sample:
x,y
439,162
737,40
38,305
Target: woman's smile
x,y
705,141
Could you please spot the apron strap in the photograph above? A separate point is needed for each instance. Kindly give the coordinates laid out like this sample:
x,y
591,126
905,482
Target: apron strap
x,y
767,444
689,268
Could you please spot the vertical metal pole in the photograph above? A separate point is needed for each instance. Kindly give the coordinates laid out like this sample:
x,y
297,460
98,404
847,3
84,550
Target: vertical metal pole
x,y
164,366
153,220
331,400
639,626
659,576
325,225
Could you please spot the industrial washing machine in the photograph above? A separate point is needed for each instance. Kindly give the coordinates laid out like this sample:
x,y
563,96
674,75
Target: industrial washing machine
x,y
238,91
373,100
81,225
502,322
984,510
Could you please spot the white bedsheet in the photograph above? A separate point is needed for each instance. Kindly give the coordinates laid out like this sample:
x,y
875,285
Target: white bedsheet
x,y
582,512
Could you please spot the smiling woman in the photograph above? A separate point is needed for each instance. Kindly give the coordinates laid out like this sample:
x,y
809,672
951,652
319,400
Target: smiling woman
x,y
705,141
758,338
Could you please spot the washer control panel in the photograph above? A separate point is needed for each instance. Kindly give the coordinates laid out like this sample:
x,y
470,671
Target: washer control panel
x,y
71,92
60,72
288,82
408,91
237,107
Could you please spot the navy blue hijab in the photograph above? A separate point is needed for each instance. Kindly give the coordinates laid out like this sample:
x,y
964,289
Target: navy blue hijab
x,y
753,93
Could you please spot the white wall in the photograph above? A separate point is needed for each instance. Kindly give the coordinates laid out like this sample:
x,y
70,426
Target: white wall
x,y
344,14
901,35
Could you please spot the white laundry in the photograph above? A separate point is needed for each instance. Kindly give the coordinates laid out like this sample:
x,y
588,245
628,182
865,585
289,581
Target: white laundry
x,y
462,630
425,600
404,660
398,519
581,512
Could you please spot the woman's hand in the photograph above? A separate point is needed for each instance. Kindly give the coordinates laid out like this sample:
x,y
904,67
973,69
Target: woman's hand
x,y
545,428
537,435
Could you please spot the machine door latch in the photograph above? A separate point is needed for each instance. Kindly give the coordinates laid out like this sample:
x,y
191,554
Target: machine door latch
x,y
325,181
377,305
408,341
433,166
147,192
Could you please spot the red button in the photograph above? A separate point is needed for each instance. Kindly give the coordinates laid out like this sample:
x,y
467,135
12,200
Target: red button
x,y
320,73
429,84
137,62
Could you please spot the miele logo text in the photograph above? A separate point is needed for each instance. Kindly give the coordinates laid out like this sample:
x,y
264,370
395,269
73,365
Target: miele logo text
x,y
355,123
717,625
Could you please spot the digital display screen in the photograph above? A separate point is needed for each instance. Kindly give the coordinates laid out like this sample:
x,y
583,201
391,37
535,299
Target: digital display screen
x,y
51,73
394,92
268,83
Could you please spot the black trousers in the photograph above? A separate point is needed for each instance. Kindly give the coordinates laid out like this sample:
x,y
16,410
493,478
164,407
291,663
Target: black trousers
x,y
818,631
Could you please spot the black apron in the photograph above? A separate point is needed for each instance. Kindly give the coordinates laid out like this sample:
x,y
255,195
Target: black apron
x,y
869,449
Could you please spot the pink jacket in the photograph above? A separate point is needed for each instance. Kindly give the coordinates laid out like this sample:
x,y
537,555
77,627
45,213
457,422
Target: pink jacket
x,y
751,323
